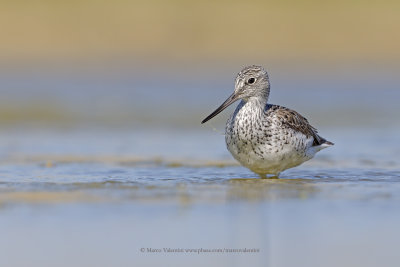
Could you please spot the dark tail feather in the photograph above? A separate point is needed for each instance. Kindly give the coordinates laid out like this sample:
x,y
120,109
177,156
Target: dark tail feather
x,y
328,143
320,140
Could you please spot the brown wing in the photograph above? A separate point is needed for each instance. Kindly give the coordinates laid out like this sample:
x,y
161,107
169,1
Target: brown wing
x,y
295,121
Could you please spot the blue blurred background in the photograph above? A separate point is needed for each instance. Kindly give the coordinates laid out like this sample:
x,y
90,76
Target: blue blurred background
x,y
170,63
102,152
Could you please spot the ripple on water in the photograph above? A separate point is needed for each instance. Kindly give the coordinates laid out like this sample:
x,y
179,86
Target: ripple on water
x,y
208,183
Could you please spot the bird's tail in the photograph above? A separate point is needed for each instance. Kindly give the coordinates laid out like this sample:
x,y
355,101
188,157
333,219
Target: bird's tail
x,y
323,144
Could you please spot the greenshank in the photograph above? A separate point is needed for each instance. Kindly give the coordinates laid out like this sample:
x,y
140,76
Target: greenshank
x,y
266,138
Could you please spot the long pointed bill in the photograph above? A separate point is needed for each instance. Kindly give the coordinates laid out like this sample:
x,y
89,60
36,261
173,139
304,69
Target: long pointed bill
x,y
224,105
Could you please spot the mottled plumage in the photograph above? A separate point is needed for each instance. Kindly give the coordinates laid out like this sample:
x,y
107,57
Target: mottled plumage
x,y
267,139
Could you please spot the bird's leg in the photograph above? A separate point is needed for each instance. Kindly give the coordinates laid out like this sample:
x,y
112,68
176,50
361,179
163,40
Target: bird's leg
x,y
276,176
263,176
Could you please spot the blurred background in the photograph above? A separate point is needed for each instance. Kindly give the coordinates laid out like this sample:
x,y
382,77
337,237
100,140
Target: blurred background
x,y
102,152
171,62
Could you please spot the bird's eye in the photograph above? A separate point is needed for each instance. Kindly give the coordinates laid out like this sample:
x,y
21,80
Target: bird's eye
x,y
251,81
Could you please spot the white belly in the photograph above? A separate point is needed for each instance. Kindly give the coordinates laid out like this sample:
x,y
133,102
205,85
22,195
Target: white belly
x,y
268,163
269,156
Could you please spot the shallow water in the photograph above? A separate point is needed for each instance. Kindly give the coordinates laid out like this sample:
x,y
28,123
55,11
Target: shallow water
x,y
85,197
97,165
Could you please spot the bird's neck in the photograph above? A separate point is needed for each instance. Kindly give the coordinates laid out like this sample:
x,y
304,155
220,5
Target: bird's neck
x,y
252,107
257,102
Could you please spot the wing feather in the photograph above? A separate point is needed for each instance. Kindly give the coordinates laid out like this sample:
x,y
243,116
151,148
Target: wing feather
x,y
295,121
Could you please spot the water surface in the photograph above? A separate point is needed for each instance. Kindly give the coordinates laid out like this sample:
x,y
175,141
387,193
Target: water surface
x,y
96,178
97,197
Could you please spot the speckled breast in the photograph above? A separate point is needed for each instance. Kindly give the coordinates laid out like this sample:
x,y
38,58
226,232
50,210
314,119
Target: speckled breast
x,y
262,144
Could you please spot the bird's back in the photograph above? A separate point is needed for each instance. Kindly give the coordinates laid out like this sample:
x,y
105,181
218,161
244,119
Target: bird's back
x,y
292,120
